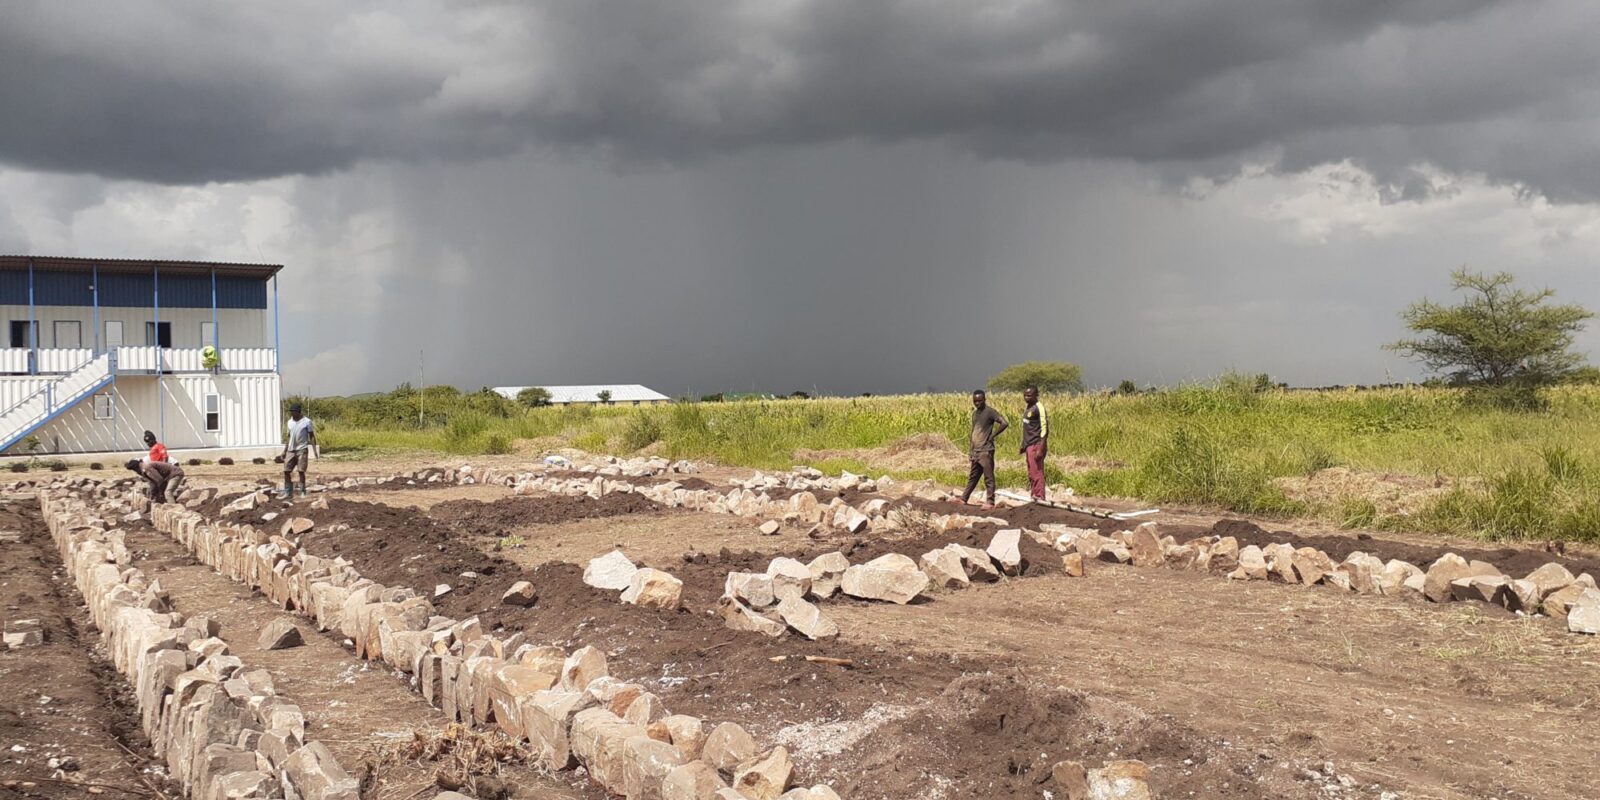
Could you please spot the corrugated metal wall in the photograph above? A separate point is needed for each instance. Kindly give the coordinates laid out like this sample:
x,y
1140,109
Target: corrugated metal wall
x,y
129,291
249,414
240,327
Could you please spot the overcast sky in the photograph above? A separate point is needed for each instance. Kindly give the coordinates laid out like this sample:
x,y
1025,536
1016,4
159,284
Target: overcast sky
x,y
846,195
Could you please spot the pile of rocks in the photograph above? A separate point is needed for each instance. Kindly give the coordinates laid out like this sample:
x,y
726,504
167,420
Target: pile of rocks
x,y
222,729
1551,590
566,706
640,586
779,600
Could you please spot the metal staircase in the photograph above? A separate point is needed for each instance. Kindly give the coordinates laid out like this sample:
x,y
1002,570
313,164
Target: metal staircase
x,y
54,399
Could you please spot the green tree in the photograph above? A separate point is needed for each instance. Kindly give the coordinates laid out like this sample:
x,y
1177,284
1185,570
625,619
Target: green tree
x,y
1498,335
1049,376
605,397
1127,387
534,396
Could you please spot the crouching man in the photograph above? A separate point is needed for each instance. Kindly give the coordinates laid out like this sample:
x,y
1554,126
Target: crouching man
x,y
166,480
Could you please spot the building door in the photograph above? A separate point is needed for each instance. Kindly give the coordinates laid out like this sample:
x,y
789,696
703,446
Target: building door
x,y
113,333
158,334
19,333
208,334
69,333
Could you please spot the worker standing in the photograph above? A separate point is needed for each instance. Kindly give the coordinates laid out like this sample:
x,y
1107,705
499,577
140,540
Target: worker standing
x,y
158,451
297,449
1035,441
166,480
987,425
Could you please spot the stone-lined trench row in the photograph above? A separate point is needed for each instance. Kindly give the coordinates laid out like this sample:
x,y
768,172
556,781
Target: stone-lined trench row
x,y
1551,590
566,706
221,728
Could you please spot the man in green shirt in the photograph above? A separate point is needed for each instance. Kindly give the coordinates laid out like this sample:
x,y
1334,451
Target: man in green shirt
x,y
987,425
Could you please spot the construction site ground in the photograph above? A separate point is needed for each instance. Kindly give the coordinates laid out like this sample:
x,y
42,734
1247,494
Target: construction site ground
x,y
1226,689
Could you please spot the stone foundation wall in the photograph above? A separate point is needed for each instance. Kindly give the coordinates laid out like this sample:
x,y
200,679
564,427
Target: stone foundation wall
x,y
221,728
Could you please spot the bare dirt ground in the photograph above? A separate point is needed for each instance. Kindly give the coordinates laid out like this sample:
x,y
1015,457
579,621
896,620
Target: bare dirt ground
x,y
63,700
1227,689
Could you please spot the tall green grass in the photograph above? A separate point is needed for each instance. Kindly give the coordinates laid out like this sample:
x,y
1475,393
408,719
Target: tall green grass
x,y
1220,445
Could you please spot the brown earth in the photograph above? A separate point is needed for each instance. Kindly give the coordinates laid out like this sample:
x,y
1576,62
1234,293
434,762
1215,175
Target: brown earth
x,y
64,699
698,666
1227,689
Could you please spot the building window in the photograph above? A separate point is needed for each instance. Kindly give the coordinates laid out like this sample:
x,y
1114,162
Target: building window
x,y
69,333
208,334
158,335
213,413
113,333
104,408
20,333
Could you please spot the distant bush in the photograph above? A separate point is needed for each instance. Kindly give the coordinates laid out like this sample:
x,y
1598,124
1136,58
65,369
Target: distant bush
x,y
57,466
643,430
496,444
258,460
225,461
19,466
96,466
193,462
1127,387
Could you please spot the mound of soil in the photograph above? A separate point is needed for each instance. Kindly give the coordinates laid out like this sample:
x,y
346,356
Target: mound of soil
x,y
493,519
998,735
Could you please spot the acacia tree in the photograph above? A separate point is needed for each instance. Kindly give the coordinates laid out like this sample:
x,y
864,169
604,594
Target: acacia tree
x,y
1498,335
534,396
1048,376
604,396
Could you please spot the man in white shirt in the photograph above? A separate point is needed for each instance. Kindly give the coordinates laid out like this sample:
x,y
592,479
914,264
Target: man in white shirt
x,y
297,449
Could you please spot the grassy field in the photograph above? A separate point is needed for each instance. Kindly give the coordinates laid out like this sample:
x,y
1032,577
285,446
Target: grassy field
x,y
1452,465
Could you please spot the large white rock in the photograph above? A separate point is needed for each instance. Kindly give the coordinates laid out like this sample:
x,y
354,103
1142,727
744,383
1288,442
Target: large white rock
x,y
1006,550
806,619
892,577
752,588
740,617
977,563
944,568
1583,615
611,571
827,571
653,588
790,578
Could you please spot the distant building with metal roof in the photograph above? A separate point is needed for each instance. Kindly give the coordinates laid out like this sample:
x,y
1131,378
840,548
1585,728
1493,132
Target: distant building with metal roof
x,y
629,394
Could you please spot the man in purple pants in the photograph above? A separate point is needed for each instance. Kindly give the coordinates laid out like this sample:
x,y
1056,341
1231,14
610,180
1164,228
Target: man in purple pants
x,y
1035,441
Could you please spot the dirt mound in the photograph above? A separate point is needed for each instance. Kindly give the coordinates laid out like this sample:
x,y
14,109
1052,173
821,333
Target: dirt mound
x,y
1391,494
493,519
997,736
921,452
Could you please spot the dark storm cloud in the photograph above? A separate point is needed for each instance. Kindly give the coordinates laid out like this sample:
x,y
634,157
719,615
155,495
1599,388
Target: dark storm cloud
x,y
183,93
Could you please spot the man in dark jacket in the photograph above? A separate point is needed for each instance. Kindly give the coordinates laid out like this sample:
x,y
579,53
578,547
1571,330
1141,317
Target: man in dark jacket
x,y
987,425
